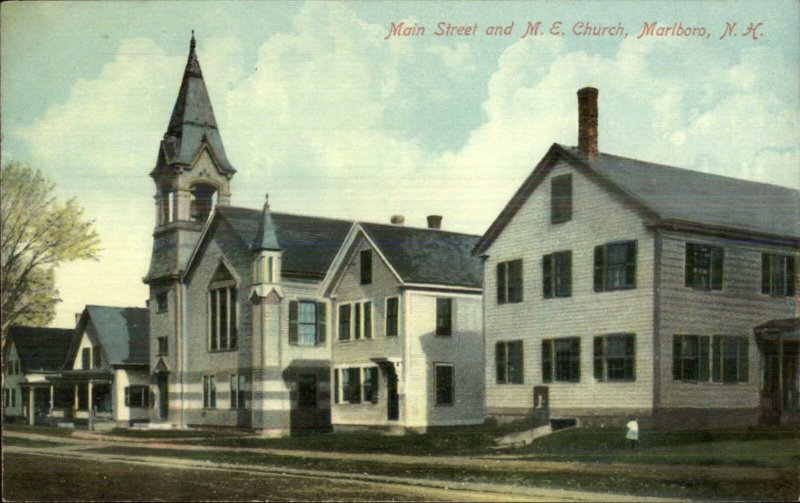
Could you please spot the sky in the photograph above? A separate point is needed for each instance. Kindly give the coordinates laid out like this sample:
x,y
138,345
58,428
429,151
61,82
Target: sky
x,y
321,108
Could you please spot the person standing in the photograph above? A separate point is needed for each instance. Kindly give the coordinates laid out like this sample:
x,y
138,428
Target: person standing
x,y
633,432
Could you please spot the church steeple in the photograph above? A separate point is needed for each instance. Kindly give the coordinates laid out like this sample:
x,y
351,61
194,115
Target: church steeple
x,y
192,125
192,174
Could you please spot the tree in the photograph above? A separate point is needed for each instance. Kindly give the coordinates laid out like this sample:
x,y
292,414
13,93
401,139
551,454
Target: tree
x,y
37,233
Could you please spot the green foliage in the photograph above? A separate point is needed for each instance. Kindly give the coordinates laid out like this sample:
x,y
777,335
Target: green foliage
x,y
37,234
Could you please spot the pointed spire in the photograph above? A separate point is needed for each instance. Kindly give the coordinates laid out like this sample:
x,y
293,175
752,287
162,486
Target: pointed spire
x,y
266,239
192,123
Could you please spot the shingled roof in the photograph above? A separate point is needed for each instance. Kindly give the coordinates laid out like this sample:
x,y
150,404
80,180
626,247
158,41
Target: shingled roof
x,y
428,256
309,244
192,123
124,333
670,196
41,349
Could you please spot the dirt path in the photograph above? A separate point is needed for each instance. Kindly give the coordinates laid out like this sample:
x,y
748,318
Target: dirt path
x,y
417,489
499,463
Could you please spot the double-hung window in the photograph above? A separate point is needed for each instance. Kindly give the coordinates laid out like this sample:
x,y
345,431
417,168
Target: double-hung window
x,y
307,323
365,259
371,384
443,383
222,318
704,266
557,275
345,310
703,358
86,358
355,320
351,385
209,392
615,357
509,281
137,396
444,316
163,346
777,275
97,357
162,303
508,361
561,199
561,359
615,266
392,316
238,383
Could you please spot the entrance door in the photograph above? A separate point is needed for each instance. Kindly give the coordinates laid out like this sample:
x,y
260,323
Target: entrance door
x,y
780,393
393,400
163,396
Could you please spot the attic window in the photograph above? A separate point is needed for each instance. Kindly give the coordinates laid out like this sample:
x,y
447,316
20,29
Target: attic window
x,y
204,198
561,199
161,302
167,206
366,267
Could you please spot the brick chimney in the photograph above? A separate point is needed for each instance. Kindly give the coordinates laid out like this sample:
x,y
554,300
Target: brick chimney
x,y
587,122
434,221
398,219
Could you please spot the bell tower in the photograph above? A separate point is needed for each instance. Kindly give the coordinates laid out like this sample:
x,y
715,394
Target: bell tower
x,y
192,175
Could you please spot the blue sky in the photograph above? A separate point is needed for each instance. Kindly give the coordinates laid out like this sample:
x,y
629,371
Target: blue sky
x,y
316,108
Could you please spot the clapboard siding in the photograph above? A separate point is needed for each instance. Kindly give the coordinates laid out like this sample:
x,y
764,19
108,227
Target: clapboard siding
x,y
359,353
463,350
597,219
735,310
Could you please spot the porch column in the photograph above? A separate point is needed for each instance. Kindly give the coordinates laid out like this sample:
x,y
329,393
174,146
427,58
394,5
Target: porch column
x,y
52,396
780,371
75,399
89,386
31,408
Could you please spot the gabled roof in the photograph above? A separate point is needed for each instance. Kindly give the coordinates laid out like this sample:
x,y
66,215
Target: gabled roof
x,y
428,256
41,349
192,124
123,332
672,197
309,244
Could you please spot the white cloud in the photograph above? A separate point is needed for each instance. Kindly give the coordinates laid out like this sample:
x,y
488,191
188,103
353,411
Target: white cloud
x,y
308,124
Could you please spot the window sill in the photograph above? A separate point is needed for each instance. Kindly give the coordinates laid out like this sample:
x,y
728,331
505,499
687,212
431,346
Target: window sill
x,y
229,350
510,383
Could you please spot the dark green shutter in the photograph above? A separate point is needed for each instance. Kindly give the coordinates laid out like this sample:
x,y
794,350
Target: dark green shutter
x,y
790,276
598,358
567,274
293,308
501,283
514,279
716,357
547,276
703,360
368,320
765,273
690,264
717,259
335,385
501,361
547,360
321,322
599,268
630,264
677,375
744,360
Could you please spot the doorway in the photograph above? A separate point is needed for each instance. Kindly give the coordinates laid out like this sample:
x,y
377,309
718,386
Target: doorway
x,y
163,396
392,398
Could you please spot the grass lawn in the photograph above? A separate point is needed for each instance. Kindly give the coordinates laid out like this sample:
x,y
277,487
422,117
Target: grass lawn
x,y
768,447
40,430
464,441
28,442
783,486
174,434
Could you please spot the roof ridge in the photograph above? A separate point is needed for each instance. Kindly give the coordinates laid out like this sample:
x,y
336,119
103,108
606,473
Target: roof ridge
x,y
574,151
441,231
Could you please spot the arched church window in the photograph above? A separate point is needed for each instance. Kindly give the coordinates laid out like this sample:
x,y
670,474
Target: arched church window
x,y
204,198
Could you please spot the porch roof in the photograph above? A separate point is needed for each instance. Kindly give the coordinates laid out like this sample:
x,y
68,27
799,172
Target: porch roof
x,y
787,329
81,376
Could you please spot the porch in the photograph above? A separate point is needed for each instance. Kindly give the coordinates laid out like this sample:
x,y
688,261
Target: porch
x,y
779,344
82,397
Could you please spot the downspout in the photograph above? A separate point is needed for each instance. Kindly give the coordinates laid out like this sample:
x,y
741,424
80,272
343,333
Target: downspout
x,y
183,354
657,384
